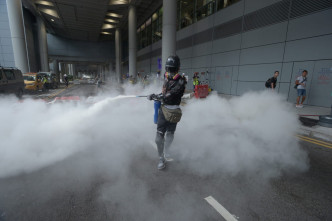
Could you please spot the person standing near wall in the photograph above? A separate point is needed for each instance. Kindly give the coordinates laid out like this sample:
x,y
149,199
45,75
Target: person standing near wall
x,y
272,82
195,80
300,85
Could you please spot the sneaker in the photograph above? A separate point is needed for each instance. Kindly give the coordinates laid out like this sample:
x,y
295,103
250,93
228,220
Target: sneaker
x,y
162,163
297,106
300,106
167,157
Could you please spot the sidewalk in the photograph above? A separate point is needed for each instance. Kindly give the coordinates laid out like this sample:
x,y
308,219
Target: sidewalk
x,y
309,116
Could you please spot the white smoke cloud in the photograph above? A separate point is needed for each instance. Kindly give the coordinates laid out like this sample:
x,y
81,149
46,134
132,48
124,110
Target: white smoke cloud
x,y
77,145
253,133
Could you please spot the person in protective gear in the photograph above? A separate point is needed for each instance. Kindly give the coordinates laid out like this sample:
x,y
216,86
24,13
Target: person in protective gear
x,y
45,83
195,80
169,113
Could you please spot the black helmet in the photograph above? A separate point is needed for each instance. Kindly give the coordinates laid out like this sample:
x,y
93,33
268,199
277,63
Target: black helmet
x,y
172,64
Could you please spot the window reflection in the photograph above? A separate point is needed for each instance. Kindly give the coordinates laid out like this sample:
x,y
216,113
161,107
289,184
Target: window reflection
x,y
204,8
224,3
185,13
188,12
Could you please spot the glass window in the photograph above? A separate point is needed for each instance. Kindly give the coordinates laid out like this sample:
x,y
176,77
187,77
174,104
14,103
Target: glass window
x,y
157,26
29,77
143,36
155,30
204,8
160,22
149,34
138,39
155,16
185,13
224,3
151,31
9,74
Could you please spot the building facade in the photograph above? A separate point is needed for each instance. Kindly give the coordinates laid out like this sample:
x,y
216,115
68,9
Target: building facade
x,y
237,47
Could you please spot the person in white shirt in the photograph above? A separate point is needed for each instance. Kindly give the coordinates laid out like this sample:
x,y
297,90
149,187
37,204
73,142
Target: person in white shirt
x,y
301,82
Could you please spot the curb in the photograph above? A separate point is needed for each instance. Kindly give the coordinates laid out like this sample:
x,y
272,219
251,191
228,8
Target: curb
x,y
315,134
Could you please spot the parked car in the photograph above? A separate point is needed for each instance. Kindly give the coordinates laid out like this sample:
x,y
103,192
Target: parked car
x,y
33,81
11,81
91,81
52,81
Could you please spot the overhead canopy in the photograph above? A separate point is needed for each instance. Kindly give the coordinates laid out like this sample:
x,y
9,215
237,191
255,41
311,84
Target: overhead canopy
x,y
91,20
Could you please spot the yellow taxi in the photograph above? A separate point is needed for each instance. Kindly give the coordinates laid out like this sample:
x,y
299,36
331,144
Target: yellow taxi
x,y
33,81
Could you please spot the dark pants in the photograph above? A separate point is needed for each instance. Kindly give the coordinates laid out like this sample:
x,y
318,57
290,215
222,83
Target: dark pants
x,y
164,127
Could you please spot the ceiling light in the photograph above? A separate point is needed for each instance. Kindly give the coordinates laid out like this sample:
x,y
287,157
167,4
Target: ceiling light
x,y
111,14
118,2
106,33
111,20
49,12
108,26
44,3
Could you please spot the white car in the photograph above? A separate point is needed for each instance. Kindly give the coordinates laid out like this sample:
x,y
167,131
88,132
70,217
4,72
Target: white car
x,y
91,81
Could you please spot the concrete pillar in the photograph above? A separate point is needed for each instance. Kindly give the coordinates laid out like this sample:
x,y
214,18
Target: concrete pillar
x,y
15,16
118,54
62,66
169,31
43,51
106,67
74,71
132,26
110,75
56,69
71,70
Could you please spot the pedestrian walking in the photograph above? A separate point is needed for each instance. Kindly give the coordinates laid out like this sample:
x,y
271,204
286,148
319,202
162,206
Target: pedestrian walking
x,y
66,79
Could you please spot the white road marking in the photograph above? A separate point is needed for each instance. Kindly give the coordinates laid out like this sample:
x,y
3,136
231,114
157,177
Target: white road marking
x,y
220,209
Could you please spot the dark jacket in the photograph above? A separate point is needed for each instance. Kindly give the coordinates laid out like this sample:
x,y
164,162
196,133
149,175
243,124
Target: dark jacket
x,y
271,80
173,90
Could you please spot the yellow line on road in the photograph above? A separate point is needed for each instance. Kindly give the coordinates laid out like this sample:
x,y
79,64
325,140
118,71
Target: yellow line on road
x,y
58,92
314,141
326,143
